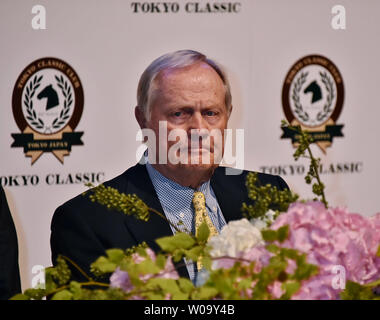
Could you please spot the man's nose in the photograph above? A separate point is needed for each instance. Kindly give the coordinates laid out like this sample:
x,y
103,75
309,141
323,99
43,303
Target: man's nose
x,y
197,121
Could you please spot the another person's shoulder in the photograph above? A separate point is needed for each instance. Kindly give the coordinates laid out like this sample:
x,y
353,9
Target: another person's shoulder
x,y
3,198
6,221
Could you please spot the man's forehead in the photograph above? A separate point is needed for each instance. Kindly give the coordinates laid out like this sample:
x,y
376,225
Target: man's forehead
x,y
196,72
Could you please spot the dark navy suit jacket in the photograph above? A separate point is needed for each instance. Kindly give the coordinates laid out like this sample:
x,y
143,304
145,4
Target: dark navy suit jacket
x,y
83,230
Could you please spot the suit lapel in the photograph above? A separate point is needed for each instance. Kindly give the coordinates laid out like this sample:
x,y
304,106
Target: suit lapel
x,y
229,195
140,183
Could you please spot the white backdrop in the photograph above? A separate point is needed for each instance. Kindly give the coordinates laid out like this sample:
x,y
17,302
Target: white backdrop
x,y
109,45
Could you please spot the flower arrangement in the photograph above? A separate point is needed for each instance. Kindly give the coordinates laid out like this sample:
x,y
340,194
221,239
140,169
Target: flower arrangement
x,y
330,238
283,249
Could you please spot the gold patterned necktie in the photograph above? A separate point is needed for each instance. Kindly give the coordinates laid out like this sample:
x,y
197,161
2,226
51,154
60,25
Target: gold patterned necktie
x,y
201,215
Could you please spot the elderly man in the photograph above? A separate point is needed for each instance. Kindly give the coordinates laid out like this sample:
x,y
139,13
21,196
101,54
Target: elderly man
x,y
186,92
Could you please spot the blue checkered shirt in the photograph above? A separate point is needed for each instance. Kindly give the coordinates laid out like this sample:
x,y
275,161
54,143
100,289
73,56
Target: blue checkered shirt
x,y
176,201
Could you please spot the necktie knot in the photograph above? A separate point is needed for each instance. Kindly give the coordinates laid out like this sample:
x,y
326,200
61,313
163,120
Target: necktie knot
x,y
199,201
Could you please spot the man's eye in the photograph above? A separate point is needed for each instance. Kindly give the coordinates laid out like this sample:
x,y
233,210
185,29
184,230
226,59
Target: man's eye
x,y
210,113
178,113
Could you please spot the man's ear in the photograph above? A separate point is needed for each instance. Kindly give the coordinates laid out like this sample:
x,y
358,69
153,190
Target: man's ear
x,y
229,112
140,117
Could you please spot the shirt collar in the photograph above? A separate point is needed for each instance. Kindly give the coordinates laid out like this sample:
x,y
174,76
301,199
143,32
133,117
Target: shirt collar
x,y
175,197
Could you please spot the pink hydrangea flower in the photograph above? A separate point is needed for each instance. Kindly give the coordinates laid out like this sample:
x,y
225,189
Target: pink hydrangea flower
x,y
121,279
330,237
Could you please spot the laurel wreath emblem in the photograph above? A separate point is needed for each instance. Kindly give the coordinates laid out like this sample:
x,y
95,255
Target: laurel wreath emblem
x,y
327,108
32,116
66,91
36,121
303,115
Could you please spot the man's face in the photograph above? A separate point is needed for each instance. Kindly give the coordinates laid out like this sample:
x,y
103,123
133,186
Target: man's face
x,y
191,99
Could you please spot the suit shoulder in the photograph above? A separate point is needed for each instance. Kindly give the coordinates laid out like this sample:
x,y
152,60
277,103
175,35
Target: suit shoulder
x,y
274,180
119,182
239,176
81,206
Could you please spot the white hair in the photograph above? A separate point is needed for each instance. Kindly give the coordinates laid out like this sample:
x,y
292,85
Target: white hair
x,y
175,60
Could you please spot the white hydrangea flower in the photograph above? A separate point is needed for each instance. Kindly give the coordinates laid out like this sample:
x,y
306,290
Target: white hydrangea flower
x,y
259,223
265,221
235,237
270,215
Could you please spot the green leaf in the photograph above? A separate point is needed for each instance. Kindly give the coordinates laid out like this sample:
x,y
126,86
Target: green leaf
x,y
207,262
269,235
352,291
272,248
290,289
179,295
76,289
203,232
278,264
141,251
35,294
20,296
356,291
185,285
168,286
223,284
276,235
245,284
154,296
161,261
194,253
178,254
305,271
148,267
63,295
205,293
283,233
180,240
115,255
290,253
104,265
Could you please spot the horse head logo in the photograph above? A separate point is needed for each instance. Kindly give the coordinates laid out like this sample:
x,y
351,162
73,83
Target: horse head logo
x,y
51,95
315,89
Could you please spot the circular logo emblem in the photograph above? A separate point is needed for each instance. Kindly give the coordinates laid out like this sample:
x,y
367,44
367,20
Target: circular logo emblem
x,y
312,97
47,97
47,105
313,92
